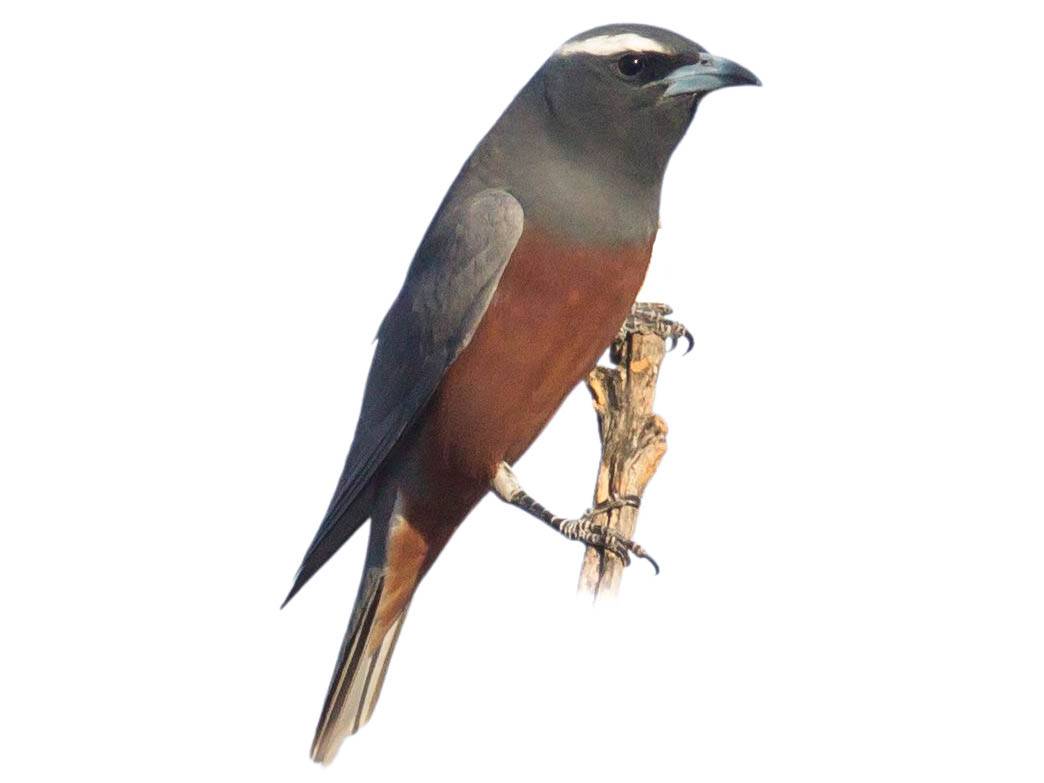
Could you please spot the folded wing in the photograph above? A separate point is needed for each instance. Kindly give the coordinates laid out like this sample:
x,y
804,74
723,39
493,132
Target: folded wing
x,y
447,290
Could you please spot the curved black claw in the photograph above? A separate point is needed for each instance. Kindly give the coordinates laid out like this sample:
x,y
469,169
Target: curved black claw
x,y
613,503
651,318
689,339
675,332
638,551
601,537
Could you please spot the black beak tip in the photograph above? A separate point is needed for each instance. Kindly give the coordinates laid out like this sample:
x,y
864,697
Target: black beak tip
x,y
743,76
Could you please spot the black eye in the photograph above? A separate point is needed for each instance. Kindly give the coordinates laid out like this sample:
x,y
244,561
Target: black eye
x,y
631,64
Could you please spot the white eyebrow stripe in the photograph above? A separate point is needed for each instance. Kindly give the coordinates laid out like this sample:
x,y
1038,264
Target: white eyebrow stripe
x,y
612,44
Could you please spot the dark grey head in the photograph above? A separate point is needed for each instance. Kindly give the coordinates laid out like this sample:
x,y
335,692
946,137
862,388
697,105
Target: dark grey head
x,y
584,145
631,90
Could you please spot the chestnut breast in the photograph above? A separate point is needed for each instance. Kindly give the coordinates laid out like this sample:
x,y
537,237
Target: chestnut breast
x,y
557,307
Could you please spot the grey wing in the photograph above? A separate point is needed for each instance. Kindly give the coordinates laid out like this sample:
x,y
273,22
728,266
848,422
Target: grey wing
x,y
447,290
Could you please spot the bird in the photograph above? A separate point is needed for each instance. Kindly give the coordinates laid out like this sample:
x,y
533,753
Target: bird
x,y
531,263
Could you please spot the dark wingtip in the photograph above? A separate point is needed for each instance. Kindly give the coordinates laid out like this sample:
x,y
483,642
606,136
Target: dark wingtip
x,y
287,599
299,582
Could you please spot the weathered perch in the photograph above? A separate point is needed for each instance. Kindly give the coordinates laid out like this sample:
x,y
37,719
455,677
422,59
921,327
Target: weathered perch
x,y
634,439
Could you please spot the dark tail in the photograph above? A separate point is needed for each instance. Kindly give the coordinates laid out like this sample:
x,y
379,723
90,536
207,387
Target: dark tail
x,y
397,558
361,666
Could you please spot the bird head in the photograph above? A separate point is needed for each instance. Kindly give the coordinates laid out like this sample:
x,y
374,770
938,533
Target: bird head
x,y
630,91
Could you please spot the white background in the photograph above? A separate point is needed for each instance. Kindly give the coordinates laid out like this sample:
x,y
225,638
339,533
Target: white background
x,y
206,207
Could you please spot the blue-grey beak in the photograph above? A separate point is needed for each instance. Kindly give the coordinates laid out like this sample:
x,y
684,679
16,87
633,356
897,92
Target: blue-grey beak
x,y
710,73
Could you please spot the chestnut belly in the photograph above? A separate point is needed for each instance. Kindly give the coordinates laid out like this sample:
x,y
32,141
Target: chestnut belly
x,y
556,309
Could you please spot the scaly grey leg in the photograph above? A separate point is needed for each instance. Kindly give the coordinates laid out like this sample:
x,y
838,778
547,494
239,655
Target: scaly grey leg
x,y
584,529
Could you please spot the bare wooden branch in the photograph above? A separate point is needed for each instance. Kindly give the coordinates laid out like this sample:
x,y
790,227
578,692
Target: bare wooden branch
x,y
634,439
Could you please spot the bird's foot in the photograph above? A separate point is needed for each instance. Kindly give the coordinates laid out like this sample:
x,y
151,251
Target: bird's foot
x,y
589,532
651,318
585,529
